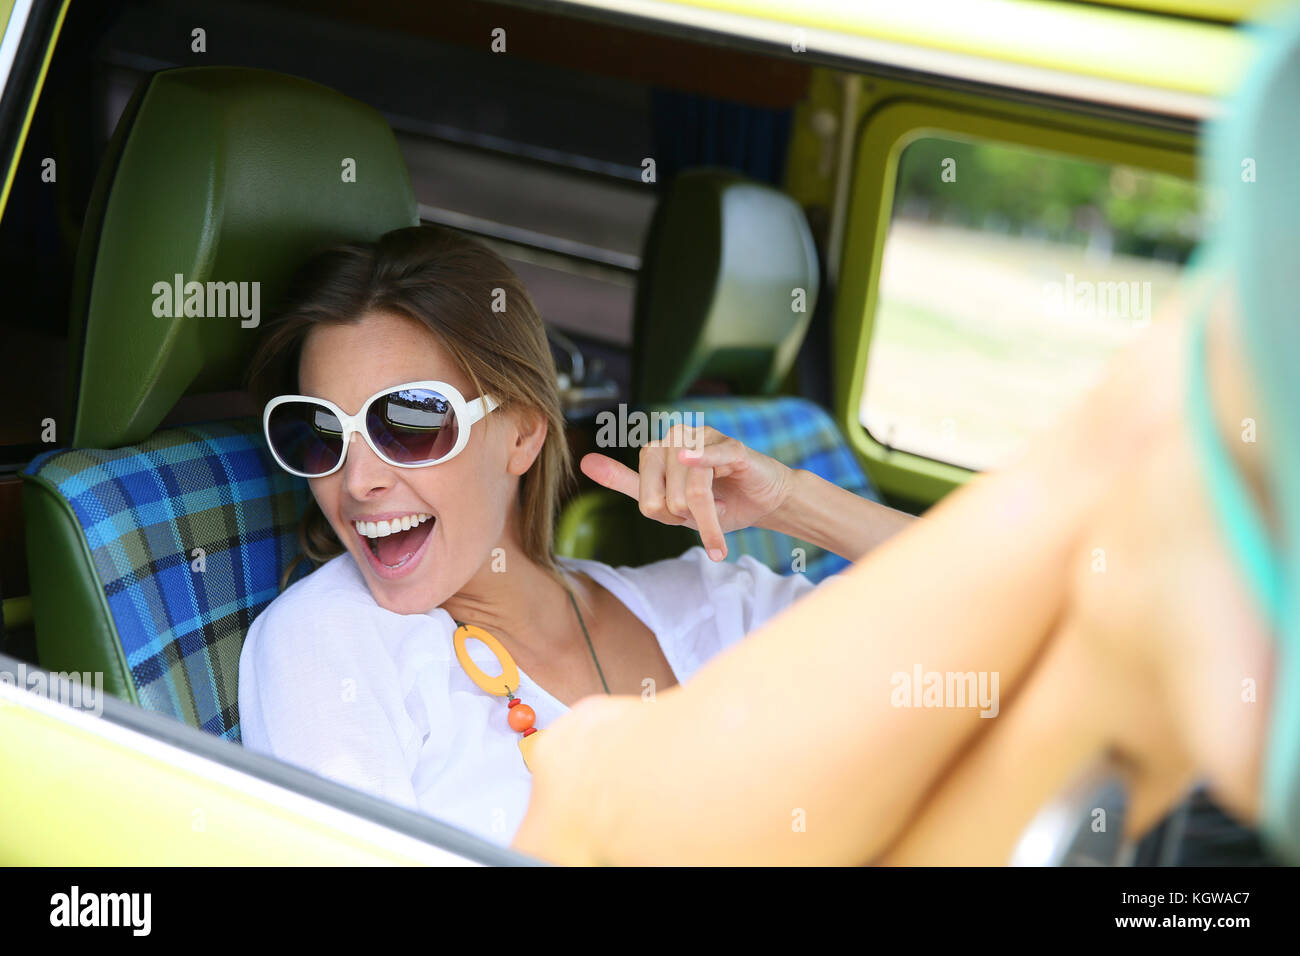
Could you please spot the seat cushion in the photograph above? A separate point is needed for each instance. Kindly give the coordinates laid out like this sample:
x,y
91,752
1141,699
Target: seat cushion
x,y
151,561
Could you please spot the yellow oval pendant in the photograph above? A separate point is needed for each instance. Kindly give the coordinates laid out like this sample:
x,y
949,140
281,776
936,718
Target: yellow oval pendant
x,y
504,683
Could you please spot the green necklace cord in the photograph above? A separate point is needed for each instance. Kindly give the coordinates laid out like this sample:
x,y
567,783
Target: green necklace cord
x,y
583,624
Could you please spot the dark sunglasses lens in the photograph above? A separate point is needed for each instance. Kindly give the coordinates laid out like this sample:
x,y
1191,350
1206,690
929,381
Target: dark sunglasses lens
x,y
307,437
413,425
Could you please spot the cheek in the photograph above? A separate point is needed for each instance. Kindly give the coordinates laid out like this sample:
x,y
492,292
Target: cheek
x,y
493,493
326,491
475,499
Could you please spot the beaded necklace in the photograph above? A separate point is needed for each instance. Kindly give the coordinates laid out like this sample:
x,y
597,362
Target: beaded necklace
x,y
520,716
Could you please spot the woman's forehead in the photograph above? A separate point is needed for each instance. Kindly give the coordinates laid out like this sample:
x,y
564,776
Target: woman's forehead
x,y
347,362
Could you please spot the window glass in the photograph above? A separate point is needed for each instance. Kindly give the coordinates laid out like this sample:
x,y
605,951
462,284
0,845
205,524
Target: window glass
x,y
1009,277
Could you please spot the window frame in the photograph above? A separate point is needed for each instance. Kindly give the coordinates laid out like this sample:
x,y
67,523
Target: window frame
x,y
150,771
29,34
883,133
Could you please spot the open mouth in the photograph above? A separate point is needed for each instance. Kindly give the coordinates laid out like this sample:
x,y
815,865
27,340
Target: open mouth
x,y
394,544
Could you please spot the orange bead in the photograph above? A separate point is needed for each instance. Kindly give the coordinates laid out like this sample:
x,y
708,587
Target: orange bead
x,y
521,717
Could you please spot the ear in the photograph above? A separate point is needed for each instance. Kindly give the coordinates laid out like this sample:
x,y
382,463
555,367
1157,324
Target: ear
x,y
528,437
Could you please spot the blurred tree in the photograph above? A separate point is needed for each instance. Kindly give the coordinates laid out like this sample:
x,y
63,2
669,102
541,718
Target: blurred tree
x,y
1057,198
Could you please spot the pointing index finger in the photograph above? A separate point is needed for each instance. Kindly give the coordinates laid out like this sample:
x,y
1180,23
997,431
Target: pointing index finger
x,y
614,475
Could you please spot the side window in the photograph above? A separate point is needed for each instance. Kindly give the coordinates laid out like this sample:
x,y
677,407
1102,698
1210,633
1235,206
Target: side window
x,y
1009,277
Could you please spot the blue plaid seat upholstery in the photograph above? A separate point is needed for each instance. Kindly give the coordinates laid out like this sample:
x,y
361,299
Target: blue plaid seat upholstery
x,y
795,431
188,533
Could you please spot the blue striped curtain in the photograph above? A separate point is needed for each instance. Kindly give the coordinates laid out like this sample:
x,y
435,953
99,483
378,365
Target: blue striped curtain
x,y
692,130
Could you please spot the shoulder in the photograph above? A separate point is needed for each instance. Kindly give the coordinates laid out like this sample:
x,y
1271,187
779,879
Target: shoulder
x,y
326,643
693,580
328,614
671,575
695,569
335,584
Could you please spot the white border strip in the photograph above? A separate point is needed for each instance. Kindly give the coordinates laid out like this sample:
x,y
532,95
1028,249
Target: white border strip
x,y
14,31
937,62
172,756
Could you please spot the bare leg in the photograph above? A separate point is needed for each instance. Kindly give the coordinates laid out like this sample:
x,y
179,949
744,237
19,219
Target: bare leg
x,y
788,748
1162,659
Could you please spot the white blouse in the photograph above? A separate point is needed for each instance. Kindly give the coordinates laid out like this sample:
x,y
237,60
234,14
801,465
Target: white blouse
x,y
332,682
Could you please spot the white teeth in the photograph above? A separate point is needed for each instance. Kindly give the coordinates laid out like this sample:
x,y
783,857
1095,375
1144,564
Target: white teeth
x,y
380,529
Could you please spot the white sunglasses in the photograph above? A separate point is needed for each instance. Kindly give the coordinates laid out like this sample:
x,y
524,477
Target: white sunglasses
x,y
408,426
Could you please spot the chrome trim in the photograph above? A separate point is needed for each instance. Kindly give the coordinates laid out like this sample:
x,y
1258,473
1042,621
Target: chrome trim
x,y
1061,833
577,365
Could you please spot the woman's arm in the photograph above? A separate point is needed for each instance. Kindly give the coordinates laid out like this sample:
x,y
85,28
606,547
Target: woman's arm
x,y
711,483
822,513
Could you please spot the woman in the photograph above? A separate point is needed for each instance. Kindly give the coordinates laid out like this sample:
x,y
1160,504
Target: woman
x,y
434,507
1124,579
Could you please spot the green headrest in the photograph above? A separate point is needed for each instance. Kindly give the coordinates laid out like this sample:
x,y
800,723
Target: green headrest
x,y
717,296
218,175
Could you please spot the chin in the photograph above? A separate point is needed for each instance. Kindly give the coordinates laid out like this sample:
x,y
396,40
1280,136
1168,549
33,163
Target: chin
x,y
404,603
399,572
416,595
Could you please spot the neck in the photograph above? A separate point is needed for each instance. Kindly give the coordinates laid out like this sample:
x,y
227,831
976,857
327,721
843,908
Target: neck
x,y
520,603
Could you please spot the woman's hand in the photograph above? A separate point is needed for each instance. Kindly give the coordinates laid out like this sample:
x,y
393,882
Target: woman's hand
x,y
700,478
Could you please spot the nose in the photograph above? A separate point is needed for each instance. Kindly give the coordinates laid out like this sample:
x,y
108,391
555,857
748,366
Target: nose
x,y
365,474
